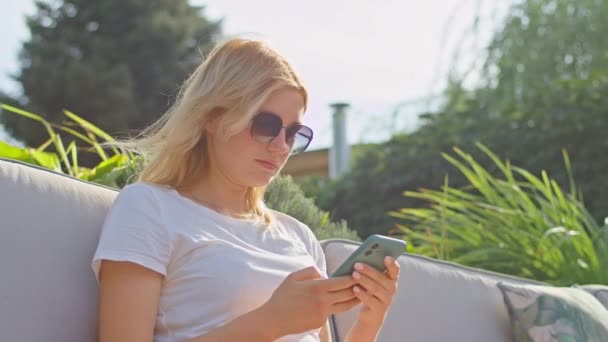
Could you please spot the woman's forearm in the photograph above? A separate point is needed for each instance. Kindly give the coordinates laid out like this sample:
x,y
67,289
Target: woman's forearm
x,y
252,326
361,332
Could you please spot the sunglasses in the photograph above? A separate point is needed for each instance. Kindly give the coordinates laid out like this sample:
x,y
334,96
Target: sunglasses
x,y
266,126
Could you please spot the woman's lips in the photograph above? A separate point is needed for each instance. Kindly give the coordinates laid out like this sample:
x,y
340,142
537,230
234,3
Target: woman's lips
x,y
266,164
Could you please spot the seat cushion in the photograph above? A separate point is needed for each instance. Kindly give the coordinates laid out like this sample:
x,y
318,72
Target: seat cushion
x,y
49,226
436,301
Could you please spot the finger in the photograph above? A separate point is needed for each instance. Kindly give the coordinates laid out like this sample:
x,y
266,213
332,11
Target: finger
x,y
371,301
392,268
383,279
341,295
335,284
373,287
344,306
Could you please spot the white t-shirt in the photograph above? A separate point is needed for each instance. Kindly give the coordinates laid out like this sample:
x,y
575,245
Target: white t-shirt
x,y
216,267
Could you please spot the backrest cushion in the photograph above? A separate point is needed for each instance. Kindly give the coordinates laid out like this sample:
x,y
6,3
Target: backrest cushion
x,y
436,301
598,291
49,226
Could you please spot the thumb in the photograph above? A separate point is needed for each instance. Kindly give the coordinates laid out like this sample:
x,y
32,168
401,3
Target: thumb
x,y
308,273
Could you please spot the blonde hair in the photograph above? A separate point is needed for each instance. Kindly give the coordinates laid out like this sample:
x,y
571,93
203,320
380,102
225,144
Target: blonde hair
x,y
234,80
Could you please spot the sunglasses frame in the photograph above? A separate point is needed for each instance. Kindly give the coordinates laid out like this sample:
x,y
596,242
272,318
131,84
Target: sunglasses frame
x,y
278,118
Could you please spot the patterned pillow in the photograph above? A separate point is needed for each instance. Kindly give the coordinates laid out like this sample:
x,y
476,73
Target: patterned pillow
x,y
599,291
545,313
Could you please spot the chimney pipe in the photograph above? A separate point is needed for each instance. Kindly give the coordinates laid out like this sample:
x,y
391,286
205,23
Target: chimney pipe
x,y
340,151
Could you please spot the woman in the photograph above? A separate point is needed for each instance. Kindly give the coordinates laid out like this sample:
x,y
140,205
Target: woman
x,y
189,252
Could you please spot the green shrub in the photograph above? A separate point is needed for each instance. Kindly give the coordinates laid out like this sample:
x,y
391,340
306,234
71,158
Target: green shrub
x,y
518,224
286,196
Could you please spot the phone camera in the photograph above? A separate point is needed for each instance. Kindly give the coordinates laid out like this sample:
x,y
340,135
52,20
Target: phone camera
x,y
374,246
368,253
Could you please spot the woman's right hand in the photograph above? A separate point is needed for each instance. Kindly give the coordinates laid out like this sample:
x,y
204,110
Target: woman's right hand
x,y
305,300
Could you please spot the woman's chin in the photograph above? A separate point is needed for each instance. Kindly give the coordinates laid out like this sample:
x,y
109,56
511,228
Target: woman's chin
x,y
260,178
261,181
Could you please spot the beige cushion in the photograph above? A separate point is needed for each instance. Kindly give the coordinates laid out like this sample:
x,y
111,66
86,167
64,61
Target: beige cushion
x,y
598,291
436,301
49,226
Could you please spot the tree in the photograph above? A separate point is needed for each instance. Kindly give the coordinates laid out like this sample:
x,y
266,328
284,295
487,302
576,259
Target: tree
x,y
7,99
540,93
541,43
114,62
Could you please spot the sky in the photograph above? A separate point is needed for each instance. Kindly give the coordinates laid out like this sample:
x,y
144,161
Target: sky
x,y
375,55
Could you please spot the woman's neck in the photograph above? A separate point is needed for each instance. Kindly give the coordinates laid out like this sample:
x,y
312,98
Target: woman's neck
x,y
224,197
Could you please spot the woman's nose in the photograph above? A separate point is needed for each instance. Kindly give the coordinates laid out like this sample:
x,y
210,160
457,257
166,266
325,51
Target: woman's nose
x,y
279,143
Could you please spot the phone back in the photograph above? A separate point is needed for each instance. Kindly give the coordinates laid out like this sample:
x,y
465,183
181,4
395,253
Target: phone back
x,y
372,252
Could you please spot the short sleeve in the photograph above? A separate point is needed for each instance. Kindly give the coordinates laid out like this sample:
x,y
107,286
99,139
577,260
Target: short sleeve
x,y
315,249
134,231
319,256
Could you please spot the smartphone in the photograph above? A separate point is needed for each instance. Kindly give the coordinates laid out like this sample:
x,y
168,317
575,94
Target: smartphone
x,y
372,252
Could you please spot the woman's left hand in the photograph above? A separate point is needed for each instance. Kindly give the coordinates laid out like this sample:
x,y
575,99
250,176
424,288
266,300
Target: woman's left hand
x,y
375,290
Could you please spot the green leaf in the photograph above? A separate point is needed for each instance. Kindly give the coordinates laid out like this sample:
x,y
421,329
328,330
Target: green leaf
x,y
47,160
31,116
72,152
13,152
31,156
62,154
90,127
109,164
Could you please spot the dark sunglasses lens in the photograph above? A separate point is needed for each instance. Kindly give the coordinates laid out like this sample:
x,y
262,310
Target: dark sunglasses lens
x,y
300,140
265,127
